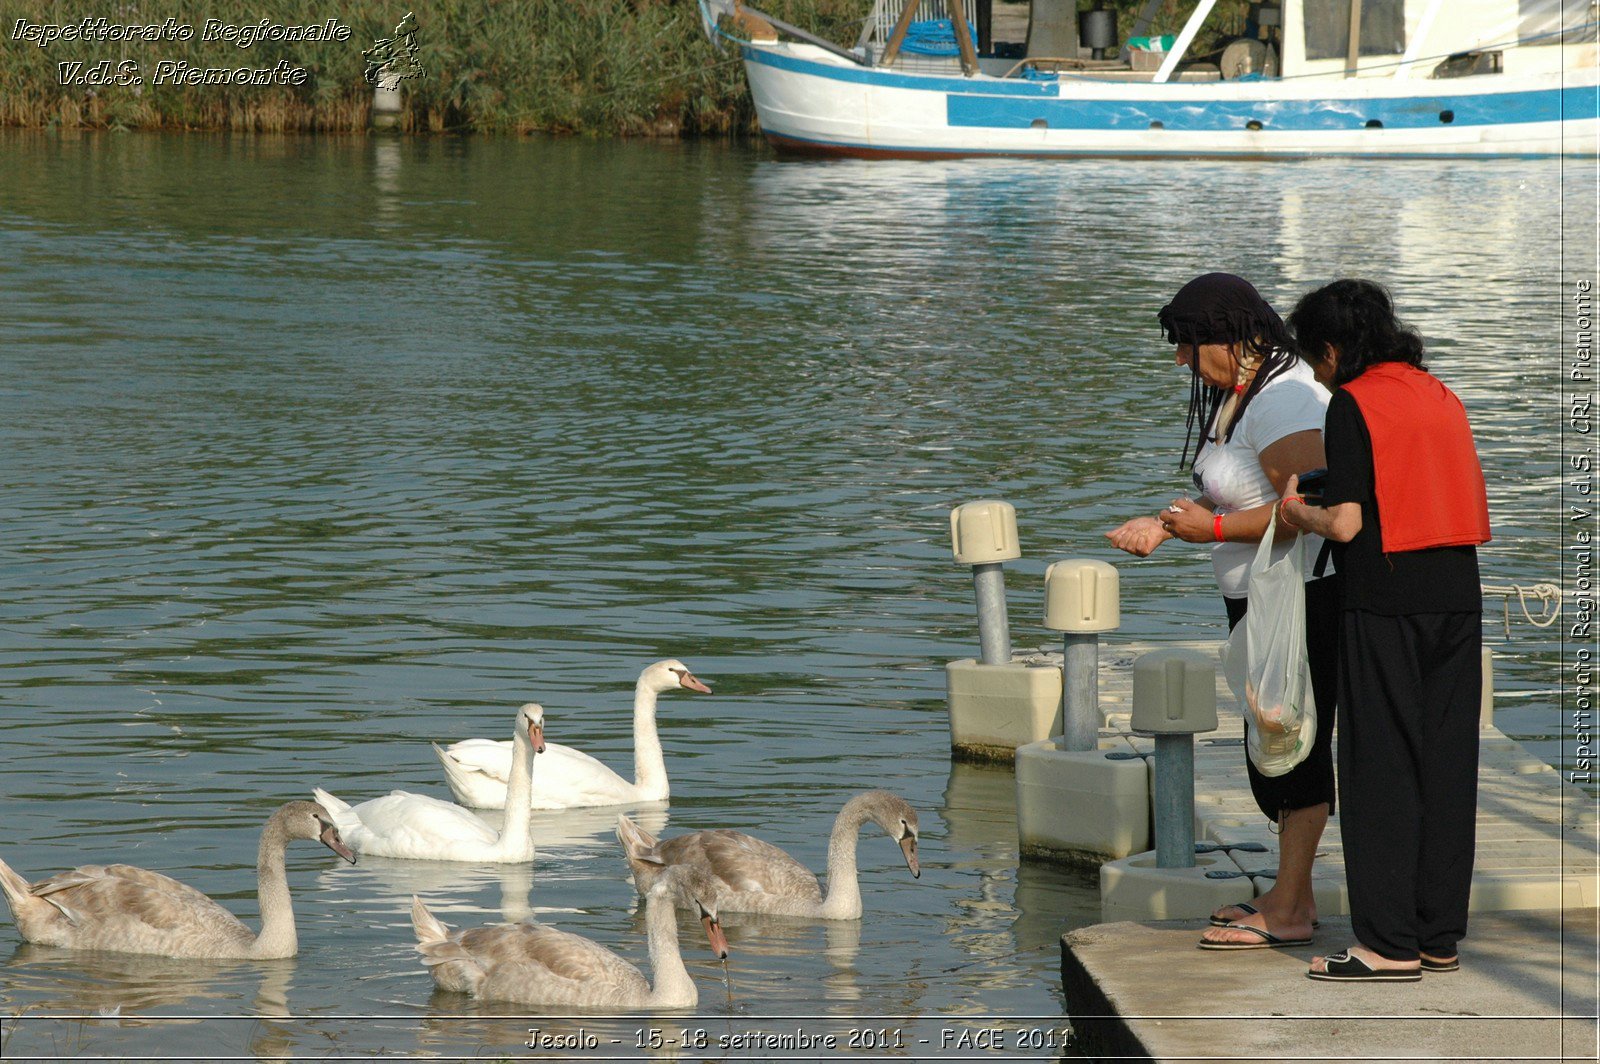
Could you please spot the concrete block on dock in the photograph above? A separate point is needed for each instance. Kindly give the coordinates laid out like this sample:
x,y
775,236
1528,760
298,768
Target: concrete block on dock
x,y
996,708
1080,807
1533,888
1135,889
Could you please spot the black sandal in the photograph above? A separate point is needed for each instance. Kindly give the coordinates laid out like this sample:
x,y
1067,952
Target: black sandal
x,y
1344,967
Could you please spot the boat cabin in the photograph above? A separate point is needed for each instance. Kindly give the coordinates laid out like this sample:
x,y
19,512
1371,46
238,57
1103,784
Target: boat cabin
x,y
1190,40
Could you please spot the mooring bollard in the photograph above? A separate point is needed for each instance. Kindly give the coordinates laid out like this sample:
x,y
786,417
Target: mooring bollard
x,y
1081,600
1174,699
386,104
983,535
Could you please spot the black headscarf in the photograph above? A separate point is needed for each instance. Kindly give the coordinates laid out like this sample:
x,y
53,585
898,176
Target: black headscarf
x,y
1221,308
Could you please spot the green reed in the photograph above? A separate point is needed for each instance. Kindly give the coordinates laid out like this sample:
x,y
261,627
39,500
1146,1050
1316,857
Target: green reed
x,y
494,66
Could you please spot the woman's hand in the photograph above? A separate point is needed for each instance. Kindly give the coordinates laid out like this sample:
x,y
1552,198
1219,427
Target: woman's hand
x,y
1339,522
1292,511
1139,537
1189,521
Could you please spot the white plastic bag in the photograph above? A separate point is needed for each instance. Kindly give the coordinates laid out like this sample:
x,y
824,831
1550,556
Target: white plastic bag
x,y
1266,663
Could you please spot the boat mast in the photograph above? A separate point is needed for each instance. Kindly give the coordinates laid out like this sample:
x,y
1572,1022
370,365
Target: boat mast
x,y
1414,47
1185,39
1352,58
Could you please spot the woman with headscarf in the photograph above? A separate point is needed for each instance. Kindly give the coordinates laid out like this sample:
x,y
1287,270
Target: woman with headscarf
x,y
1259,410
1405,506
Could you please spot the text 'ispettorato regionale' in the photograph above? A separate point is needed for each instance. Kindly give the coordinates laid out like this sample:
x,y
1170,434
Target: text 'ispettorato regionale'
x,y
127,71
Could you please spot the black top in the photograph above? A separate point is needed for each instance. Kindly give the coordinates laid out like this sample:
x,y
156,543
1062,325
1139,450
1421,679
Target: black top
x,y
1434,580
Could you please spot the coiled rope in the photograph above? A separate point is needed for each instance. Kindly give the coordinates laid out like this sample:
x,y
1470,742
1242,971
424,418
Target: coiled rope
x,y
1548,596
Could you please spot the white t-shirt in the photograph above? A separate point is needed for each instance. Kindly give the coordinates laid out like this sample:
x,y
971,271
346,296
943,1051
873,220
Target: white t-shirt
x,y
1231,475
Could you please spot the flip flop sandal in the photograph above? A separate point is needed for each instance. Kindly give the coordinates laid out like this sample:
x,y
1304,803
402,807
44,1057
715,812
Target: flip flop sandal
x,y
1342,967
1268,940
1451,965
1243,906
1251,910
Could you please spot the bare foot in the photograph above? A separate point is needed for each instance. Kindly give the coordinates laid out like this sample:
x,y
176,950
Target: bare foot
x,y
1232,933
1267,905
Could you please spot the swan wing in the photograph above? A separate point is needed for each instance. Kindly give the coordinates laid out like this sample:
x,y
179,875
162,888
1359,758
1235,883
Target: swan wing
x,y
484,757
560,952
564,777
134,909
402,823
745,863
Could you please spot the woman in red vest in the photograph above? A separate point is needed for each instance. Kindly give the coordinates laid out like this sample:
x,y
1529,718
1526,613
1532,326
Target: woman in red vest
x,y
1405,507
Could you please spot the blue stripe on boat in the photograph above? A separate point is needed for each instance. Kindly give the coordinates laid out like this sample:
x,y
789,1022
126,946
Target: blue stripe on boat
x,y
1017,105
1410,112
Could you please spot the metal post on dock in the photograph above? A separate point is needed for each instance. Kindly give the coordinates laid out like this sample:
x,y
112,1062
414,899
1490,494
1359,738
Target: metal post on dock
x,y
1173,805
1174,699
994,628
983,535
1082,599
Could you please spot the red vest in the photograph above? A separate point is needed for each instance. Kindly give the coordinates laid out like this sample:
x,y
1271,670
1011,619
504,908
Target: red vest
x,y
1425,470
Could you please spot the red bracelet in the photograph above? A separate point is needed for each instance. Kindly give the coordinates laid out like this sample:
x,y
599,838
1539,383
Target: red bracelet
x,y
1216,529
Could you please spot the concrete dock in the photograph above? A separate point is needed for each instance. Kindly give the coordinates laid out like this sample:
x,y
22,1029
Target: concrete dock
x,y
1528,985
1526,991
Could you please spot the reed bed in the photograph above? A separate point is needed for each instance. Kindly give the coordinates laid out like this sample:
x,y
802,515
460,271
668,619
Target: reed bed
x,y
618,67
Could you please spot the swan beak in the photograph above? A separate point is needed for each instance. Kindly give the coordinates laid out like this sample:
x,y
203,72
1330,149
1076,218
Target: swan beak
x,y
330,838
536,737
714,935
908,846
688,680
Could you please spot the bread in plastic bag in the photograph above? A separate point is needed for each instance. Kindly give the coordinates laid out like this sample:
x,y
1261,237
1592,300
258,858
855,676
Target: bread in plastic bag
x,y
1266,663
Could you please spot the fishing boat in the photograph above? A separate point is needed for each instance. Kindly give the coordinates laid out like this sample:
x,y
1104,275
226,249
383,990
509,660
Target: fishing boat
x,y
1297,78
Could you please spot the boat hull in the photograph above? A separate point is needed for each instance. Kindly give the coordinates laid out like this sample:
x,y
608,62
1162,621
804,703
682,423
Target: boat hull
x,y
811,103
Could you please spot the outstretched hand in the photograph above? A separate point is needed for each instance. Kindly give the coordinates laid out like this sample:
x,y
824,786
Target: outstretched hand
x,y
1139,537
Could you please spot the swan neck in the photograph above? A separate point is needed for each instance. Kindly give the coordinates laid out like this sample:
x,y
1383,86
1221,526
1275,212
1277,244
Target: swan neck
x,y
277,937
516,833
649,763
671,986
843,900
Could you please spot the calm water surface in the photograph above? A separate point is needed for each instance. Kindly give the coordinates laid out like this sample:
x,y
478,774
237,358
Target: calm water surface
x,y
320,449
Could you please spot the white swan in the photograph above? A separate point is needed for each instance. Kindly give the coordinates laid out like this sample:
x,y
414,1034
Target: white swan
x,y
133,910
759,877
402,824
477,769
539,965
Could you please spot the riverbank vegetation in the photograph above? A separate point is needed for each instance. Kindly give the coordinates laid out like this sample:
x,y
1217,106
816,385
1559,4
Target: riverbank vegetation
x,y
618,67
600,66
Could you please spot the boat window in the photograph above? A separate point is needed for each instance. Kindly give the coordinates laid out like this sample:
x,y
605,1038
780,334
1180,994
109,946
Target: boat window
x,y
1383,28
1545,19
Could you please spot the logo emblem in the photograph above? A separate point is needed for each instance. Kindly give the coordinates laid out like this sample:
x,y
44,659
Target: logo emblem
x,y
392,60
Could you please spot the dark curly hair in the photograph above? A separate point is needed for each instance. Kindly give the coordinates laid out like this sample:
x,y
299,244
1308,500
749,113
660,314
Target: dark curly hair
x,y
1223,308
1357,318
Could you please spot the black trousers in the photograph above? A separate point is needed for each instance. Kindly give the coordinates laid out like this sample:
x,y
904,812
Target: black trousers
x,y
1409,692
1311,781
